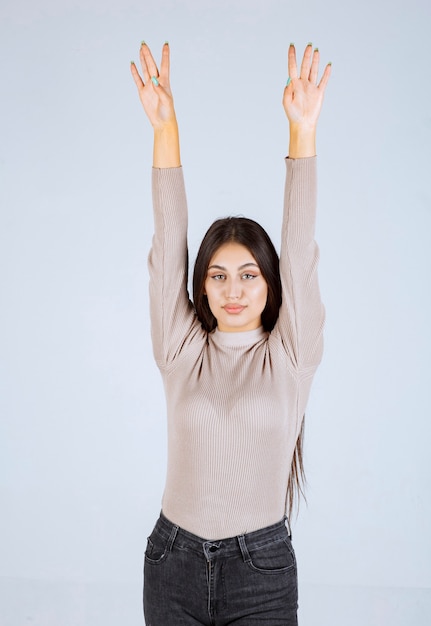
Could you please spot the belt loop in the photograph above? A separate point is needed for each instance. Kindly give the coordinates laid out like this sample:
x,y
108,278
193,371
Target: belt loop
x,y
243,547
172,537
287,523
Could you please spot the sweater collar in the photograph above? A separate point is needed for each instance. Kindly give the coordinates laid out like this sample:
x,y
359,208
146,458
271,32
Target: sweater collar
x,y
236,339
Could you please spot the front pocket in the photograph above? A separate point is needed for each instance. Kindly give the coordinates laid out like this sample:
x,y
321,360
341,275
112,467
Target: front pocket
x,y
157,548
276,557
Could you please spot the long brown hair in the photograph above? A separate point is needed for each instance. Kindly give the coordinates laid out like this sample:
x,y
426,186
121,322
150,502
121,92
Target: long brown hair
x,y
250,234
296,483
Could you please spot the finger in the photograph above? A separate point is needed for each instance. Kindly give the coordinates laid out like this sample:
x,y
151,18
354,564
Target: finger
x,y
291,62
138,80
145,70
306,62
325,77
314,70
149,66
165,64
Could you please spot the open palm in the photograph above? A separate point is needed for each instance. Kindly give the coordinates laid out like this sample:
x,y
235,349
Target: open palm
x,y
154,88
303,96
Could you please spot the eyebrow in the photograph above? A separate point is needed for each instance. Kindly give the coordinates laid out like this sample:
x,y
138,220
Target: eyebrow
x,y
241,267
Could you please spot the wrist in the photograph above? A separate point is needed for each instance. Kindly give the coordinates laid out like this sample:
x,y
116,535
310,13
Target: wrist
x,y
302,142
166,151
166,128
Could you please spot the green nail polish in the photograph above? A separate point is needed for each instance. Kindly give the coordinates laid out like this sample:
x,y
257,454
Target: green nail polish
x,y
292,44
330,63
289,80
309,44
143,43
166,43
154,81
316,49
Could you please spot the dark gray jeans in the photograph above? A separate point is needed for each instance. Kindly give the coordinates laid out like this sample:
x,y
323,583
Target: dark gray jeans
x,y
248,580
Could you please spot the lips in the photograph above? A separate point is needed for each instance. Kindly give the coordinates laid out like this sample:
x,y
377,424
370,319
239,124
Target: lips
x,y
233,309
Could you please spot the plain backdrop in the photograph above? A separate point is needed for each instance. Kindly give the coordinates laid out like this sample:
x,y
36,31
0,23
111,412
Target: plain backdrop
x,y
82,427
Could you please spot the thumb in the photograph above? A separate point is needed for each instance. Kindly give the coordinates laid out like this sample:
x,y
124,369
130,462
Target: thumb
x,y
289,87
288,93
161,91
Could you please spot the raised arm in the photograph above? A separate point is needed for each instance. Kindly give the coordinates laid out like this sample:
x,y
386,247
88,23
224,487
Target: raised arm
x,y
156,97
301,318
172,313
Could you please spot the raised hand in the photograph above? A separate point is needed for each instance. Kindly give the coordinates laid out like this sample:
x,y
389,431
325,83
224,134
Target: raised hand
x,y
303,95
154,88
155,94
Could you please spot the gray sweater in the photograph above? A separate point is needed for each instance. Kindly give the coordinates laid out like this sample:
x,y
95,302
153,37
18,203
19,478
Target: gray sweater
x,y
235,401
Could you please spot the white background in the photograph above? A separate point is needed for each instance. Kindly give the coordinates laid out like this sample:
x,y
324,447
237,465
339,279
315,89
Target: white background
x,y
82,429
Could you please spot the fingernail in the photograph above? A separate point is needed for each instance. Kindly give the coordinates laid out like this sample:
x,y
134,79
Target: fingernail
x,y
166,43
154,81
330,63
143,43
316,49
289,80
132,63
309,44
292,44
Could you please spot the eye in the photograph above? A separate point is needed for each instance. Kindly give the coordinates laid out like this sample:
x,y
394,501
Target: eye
x,y
218,276
248,276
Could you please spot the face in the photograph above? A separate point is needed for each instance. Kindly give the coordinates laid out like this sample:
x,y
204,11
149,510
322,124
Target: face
x,y
235,288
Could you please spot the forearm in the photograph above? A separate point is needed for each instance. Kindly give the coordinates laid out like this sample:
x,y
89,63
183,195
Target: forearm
x,y
166,150
301,315
302,142
171,310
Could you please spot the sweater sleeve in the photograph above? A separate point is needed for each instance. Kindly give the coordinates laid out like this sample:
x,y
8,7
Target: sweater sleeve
x,y
172,313
302,315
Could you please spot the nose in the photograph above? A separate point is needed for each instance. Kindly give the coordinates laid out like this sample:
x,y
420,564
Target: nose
x,y
233,289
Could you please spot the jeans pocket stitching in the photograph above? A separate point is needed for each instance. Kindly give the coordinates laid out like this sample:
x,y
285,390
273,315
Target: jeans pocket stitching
x,y
275,571
148,558
288,543
281,570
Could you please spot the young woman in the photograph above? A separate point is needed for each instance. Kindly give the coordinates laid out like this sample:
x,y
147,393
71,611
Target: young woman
x,y
237,367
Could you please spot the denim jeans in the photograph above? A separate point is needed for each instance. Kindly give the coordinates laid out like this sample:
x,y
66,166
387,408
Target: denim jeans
x,y
248,580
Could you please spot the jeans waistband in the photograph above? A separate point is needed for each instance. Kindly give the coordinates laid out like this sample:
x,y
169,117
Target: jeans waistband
x,y
229,546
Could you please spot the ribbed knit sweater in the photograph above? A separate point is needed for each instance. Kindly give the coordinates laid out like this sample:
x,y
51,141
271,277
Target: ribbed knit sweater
x,y
235,400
